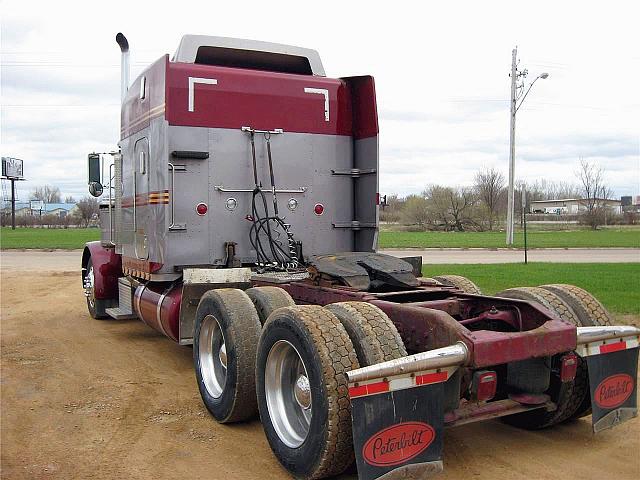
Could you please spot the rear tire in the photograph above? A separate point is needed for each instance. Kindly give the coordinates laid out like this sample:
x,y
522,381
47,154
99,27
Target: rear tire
x,y
303,356
569,395
460,282
269,299
225,338
374,336
588,309
590,312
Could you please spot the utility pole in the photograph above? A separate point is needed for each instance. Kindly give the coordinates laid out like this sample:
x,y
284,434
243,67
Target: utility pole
x,y
517,93
512,148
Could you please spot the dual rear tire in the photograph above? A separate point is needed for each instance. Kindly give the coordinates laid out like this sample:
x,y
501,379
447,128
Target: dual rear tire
x,y
292,369
576,306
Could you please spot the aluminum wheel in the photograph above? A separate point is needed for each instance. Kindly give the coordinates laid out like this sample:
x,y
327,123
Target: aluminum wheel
x,y
89,291
288,393
213,356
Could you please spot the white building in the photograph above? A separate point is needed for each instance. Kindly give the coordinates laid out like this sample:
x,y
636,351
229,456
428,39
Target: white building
x,y
572,206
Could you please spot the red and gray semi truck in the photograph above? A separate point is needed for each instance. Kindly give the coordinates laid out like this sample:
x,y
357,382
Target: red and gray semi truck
x,y
239,215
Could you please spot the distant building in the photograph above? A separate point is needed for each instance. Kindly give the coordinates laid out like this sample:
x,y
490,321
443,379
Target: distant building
x,y
572,206
23,209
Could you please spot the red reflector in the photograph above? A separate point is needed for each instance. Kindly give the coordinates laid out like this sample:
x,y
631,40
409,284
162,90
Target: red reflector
x,y
613,347
483,385
370,389
568,367
428,378
201,208
318,209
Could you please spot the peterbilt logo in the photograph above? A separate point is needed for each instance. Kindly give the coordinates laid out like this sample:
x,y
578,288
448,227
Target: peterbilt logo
x,y
397,444
613,391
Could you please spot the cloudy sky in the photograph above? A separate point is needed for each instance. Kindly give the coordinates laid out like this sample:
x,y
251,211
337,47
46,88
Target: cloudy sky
x,y
441,73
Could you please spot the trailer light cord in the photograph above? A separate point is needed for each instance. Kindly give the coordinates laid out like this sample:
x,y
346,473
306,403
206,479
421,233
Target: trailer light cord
x,y
267,230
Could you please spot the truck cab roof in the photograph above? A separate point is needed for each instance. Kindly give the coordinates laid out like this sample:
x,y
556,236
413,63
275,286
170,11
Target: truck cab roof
x,y
249,54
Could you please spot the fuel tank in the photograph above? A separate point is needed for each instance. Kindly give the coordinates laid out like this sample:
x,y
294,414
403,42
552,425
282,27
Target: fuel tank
x,y
159,307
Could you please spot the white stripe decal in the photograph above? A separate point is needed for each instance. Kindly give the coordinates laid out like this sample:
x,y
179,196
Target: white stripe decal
x,y
192,83
324,92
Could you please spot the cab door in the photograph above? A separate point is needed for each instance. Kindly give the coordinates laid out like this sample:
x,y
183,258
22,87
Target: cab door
x,y
141,206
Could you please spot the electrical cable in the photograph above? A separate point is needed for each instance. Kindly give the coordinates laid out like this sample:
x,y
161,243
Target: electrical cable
x,y
266,229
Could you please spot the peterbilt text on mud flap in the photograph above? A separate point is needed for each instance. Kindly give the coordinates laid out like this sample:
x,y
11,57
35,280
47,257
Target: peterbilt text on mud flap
x,y
241,216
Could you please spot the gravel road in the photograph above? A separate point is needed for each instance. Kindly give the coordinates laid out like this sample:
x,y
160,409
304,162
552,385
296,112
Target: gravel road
x,y
86,399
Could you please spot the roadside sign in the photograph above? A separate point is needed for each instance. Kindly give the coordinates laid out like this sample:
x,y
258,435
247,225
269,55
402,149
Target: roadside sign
x,y
36,205
12,168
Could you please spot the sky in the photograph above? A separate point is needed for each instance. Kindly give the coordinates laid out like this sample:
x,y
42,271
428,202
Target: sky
x,y
441,70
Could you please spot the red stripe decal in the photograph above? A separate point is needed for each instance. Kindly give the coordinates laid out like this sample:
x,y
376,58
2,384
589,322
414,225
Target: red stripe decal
x,y
378,387
370,389
613,347
431,378
357,391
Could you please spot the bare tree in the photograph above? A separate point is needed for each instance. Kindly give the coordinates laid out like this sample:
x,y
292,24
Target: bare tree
x,y
46,193
69,199
544,189
451,207
489,185
594,192
416,211
87,209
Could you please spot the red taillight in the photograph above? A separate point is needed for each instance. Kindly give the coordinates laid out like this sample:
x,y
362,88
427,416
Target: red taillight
x,y
568,367
483,385
318,209
201,208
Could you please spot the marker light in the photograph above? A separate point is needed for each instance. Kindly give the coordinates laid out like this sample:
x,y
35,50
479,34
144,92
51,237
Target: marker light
x,y
293,204
231,204
318,209
483,385
568,367
201,209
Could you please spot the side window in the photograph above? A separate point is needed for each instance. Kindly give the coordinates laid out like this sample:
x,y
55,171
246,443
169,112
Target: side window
x,y
143,88
142,158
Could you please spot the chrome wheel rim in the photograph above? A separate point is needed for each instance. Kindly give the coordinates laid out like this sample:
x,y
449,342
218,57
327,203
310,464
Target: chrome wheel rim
x,y
288,394
212,352
89,290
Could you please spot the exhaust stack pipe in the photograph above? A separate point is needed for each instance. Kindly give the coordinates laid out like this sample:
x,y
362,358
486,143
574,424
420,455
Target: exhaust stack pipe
x,y
124,65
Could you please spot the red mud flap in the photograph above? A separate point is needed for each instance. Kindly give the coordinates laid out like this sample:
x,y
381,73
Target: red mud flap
x,y
613,370
397,409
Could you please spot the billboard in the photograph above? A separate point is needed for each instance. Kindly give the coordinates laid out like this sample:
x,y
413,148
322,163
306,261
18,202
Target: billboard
x,y
36,205
12,167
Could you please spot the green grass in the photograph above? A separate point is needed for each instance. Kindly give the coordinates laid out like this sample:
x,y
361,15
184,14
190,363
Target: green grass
x,y
535,239
47,237
616,285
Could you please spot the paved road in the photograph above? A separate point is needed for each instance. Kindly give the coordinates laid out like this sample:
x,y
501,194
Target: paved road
x,y
473,255
39,260
69,260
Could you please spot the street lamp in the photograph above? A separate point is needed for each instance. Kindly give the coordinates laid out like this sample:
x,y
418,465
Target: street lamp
x,y
517,98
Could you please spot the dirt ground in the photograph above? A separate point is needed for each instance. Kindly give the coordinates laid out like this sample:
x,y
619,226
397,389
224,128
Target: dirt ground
x,y
87,399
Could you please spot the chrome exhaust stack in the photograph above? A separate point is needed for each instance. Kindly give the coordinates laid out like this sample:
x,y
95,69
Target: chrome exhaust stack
x,y
124,65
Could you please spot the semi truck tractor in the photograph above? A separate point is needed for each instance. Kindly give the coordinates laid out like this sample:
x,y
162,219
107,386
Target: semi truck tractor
x,y
239,216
